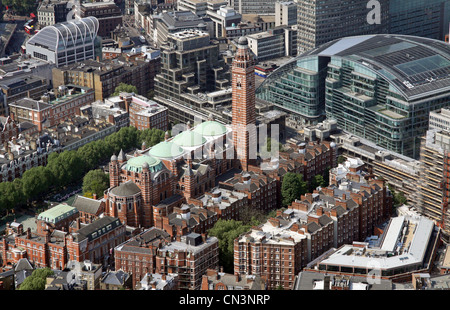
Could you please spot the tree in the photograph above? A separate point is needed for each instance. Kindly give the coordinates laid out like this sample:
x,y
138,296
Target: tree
x,y
266,150
37,280
315,182
292,187
150,94
95,182
36,181
21,7
66,167
399,198
226,231
250,216
122,87
150,137
341,159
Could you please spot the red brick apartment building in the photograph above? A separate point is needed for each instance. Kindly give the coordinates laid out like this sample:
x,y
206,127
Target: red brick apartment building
x,y
46,112
54,248
312,225
153,251
8,129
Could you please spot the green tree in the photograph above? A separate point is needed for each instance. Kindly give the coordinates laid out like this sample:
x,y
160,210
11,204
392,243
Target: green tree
x,y
315,182
66,167
292,187
150,137
21,7
227,231
35,181
95,182
37,280
150,94
341,159
399,198
122,87
266,150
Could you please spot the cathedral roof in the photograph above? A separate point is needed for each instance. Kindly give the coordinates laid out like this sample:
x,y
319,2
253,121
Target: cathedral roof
x,y
210,128
166,150
136,164
126,189
189,138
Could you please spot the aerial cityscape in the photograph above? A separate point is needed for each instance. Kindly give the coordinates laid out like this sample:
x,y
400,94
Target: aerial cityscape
x,y
206,145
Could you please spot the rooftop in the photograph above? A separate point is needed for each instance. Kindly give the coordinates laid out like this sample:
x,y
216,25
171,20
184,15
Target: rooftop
x,y
404,243
415,66
57,213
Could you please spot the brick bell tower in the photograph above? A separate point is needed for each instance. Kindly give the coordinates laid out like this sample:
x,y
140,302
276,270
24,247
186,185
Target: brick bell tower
x,y
243,105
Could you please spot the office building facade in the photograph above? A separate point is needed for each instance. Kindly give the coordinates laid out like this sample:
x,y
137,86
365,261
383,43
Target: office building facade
x,y
65,43
378,87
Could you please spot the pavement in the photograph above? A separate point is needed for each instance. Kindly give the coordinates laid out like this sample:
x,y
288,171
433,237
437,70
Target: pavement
x,y
26,220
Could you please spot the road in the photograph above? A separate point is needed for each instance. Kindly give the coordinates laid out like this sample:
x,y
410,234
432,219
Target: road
x,y
128,24
18,39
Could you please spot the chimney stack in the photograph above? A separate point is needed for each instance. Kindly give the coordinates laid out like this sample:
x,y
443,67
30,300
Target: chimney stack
x,y
238,277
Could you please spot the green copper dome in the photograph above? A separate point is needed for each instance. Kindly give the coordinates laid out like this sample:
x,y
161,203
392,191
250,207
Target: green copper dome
x,y
189,139
135,164
166,149
210,128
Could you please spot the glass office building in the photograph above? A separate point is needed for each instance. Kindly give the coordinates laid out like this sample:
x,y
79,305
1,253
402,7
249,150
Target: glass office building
x,y
378,87
423,18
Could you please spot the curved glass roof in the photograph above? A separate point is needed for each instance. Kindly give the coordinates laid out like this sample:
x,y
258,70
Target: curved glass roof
x,y
189,139
68,34
166,149
415,66
210,128
135,164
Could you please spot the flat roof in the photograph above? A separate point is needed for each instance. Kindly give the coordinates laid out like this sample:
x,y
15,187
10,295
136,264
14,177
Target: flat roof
x,y
394,230
351,256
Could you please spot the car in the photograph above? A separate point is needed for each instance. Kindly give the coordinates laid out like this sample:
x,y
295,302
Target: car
x,y
142,39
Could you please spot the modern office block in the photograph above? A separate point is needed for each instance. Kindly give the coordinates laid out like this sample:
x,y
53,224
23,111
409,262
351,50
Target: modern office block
x,y
65,43
424,18
285,13
320,22
192,70
378,87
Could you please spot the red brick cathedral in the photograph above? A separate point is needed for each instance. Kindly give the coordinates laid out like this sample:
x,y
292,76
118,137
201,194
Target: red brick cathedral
x,y
141,183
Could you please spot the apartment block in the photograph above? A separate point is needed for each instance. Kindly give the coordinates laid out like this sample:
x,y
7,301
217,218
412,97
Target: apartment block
x,y
309,228
52,12
285,13
108,14
8,129
276,251
153,252
274,43
48,112
215,280
103,77
13,89
433,189
191,67
261,190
